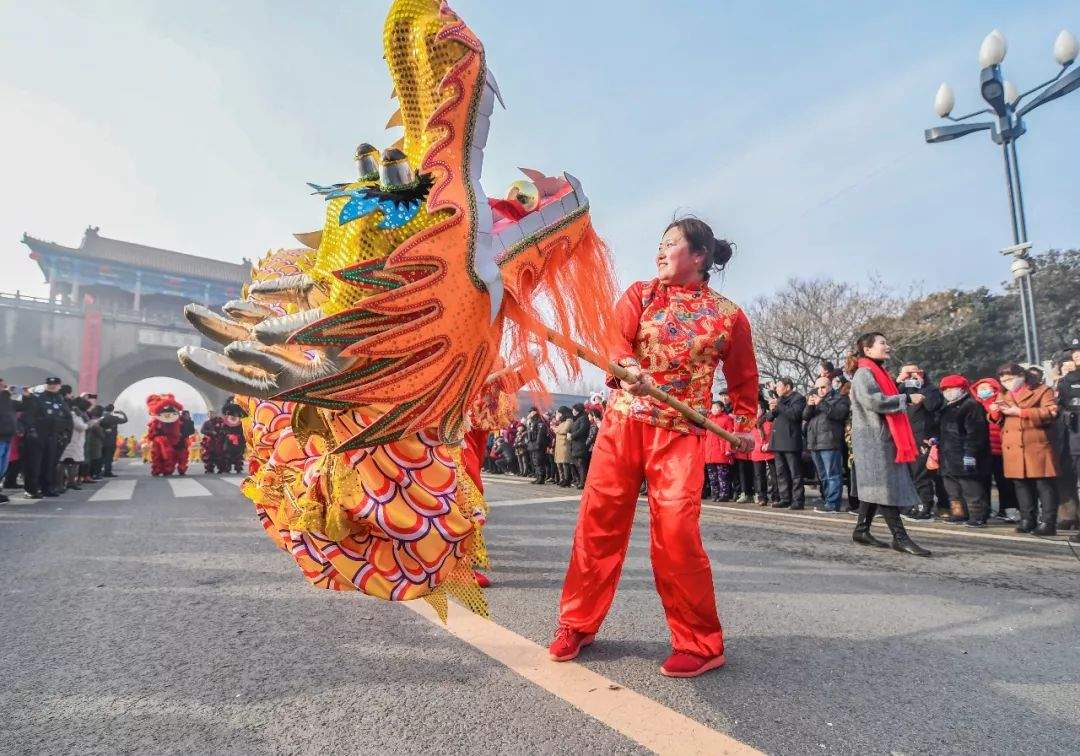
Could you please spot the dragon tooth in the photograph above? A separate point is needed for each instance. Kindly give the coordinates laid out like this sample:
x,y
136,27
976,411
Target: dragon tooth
x,y
493,85
395,119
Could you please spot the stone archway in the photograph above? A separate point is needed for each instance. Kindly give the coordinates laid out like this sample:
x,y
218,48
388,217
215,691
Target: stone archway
x,y
31,370
119,374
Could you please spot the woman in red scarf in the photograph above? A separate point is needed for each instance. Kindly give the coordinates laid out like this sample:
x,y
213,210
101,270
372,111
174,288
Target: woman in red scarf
x,y
883,444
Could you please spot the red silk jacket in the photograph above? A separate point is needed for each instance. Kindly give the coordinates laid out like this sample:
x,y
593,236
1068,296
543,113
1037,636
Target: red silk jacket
x,y
679,335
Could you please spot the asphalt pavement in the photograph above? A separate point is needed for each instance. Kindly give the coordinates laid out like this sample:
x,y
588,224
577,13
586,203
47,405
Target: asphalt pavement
x,y
154,616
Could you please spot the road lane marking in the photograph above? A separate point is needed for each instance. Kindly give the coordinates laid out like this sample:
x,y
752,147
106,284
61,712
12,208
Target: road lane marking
x,y
183,488
115,490
135,463
501,479
637,717
849,523
234,479
541,500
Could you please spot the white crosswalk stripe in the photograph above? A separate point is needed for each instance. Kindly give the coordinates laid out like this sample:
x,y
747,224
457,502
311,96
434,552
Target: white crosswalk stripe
x,y
183,488
115,490
234,479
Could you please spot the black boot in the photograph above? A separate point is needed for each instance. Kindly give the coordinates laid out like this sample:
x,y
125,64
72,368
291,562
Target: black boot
x,y
1046,529
1026,526
901,541
861,533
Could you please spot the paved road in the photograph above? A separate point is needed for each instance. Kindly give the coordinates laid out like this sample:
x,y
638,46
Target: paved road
x,y
154,616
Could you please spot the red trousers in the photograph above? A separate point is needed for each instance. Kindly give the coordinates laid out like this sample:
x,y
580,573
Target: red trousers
x,y
673,465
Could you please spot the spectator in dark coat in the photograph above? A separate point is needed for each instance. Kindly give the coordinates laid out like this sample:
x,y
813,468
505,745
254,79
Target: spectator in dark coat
x,y
826,416
537,438
110,423
964,452
579,436
786,442
8,428
925,423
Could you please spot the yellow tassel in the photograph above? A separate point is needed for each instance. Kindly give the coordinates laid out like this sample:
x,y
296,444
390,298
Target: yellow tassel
x,y
437,600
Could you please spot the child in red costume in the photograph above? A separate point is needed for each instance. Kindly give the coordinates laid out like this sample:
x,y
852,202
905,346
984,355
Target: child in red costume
x,y
674,332
163,434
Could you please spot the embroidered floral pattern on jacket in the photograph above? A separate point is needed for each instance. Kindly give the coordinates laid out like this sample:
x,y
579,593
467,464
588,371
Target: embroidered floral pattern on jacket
x,y
679,335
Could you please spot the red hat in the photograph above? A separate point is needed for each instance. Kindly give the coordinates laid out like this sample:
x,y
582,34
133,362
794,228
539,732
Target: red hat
x,y
953,381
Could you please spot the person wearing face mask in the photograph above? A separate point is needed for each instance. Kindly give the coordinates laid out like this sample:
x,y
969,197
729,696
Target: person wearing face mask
x,y
925,424
987,391
1025,412
964,452
883,444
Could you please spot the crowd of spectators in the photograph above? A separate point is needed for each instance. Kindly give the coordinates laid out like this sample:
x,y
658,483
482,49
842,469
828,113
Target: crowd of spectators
x,y
52,440
549,447
1003,447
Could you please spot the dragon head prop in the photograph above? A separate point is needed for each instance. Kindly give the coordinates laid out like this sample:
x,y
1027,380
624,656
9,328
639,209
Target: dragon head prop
x,y
164,407
418,279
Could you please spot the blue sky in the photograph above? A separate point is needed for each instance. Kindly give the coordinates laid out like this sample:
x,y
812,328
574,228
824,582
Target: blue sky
x,y
794,128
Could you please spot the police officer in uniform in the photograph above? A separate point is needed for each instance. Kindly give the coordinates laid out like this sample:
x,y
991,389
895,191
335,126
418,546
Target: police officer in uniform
x,y
54,418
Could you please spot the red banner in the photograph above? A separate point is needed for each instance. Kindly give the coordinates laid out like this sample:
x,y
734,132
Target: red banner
x,y
90,360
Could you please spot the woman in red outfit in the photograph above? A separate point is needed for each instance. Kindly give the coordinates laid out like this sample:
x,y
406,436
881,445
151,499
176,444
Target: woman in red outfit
x,y
674,332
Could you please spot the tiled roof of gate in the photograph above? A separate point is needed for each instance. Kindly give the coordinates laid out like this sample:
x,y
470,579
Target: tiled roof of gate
x,y
97,247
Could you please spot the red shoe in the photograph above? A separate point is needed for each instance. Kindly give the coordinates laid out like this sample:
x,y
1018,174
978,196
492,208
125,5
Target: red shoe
x,y
568,643
682,664
481,579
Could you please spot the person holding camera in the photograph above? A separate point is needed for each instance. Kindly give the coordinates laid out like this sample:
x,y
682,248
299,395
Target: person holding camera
x,y
786,407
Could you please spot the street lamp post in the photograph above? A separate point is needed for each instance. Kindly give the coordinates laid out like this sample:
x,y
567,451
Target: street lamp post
x,y
1006,128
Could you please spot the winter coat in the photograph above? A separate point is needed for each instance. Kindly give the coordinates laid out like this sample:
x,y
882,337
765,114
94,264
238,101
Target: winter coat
x,y
95,441
579,436
882,480
964,433
787,423
536,433
51,416
925,417
590,441
825,422
562,442
76,447
718,450
1026,450
995,429
8,423
761,451
110,423
1069,402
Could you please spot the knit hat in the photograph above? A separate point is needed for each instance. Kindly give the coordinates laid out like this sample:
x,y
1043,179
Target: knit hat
x,y
953,381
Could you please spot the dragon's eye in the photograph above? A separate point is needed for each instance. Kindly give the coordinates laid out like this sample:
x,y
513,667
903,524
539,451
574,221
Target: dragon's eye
x,y
525,193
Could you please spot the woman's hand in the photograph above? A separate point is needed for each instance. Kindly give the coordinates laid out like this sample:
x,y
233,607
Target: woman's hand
x,y
916,399
638,382
1010,410
743,443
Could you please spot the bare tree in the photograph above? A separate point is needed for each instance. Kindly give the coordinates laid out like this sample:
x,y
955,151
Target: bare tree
x,y
810,320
